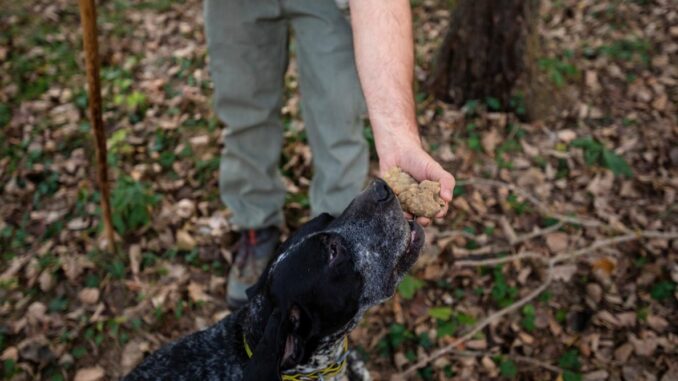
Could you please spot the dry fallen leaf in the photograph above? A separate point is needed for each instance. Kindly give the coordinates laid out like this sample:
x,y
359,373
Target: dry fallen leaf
x,y
89,295
185,240
490,141
95,373
604,265
197,293
557,242
132,354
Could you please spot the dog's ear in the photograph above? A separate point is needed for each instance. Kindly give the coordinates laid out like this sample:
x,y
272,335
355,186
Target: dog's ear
x,y
264,364
282,345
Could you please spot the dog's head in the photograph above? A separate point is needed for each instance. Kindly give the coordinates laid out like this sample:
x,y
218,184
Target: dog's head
x,y
328,274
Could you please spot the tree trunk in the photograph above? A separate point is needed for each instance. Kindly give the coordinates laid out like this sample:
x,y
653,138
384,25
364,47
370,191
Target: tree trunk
x,y
490,50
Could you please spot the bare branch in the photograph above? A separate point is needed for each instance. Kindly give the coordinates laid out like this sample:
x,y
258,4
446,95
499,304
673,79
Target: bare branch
x,y
500,260
517,358
612,241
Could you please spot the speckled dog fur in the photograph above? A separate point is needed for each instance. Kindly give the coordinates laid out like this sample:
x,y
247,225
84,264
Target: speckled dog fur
x,y
345,264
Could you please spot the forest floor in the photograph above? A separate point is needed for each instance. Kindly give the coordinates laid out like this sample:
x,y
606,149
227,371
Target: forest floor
x,y
535,197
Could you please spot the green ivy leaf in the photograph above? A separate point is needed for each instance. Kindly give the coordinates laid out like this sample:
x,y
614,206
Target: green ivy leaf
x,y
570,360
662,290
508,369
529,315
616,163
569,375
409,286
440,313
474,143
447,329
493,103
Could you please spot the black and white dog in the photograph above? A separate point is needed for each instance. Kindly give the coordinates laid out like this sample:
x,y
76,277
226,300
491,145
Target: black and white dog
x,y
305,303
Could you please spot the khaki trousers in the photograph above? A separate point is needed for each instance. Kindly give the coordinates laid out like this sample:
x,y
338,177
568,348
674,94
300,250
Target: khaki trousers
x,y
248,53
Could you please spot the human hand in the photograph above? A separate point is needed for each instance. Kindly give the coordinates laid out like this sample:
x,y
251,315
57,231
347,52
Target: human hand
x,y
414,160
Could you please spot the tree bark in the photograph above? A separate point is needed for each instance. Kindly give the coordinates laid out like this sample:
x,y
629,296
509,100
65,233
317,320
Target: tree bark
x,y
490,50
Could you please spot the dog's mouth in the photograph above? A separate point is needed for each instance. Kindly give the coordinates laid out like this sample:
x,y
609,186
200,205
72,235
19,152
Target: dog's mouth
x,y
411,253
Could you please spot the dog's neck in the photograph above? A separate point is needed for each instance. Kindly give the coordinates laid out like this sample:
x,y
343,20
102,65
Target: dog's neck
x,y
254,318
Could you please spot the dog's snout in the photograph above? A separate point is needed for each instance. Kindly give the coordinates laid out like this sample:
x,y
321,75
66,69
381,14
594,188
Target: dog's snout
x,y
382,191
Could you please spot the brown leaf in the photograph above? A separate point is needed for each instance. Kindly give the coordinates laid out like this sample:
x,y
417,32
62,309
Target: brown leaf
x,y
557,241
196,292
564,272
185,241
89,295
645,345
490,141
132,354
135,258
604,265
11,353
95,373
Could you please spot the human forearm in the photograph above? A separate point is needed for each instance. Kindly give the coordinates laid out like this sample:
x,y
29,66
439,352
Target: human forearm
x,y
382,34
384,55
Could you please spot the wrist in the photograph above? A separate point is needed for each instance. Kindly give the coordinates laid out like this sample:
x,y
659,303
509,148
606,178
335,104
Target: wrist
x,y
393,150
392,140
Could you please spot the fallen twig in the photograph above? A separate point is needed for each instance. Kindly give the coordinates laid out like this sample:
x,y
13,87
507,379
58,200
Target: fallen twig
x,y
517,358
568,255
500,260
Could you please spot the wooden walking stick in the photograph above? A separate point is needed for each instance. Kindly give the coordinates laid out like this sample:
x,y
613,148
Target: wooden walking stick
x,y
88,20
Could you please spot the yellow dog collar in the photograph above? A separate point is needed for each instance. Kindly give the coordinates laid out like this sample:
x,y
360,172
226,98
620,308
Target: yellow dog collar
x,y
332,370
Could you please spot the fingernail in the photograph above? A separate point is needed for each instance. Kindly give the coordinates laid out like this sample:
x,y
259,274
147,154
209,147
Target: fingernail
x,y
447,195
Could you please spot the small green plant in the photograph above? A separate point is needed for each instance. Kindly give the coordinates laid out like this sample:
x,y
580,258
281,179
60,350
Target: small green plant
x,y
441,313
569,361
57,305
493,104
662,290
117,143
517,104
79,352
5,114
502,293
559,70
409,286
473,139
132,203
447,321
507,368
471,107
628,49
9,369
519,207
529,315
595,153
117,269
397,335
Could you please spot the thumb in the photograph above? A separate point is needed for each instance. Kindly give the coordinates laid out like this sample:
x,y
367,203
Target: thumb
x,y
447,182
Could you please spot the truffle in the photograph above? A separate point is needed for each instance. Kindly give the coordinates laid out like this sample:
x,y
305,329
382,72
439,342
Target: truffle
x,y
419,199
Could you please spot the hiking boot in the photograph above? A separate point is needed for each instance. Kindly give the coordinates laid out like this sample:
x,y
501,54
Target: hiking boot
x,y
253,251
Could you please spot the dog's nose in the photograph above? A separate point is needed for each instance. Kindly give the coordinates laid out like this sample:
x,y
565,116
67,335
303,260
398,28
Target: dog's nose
x,y
382,192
